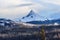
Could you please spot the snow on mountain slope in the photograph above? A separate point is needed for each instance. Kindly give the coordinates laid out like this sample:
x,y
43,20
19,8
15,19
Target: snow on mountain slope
x,y
32,16
6,22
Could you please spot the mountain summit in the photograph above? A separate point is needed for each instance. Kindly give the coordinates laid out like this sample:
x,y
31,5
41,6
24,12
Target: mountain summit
x,y
32,16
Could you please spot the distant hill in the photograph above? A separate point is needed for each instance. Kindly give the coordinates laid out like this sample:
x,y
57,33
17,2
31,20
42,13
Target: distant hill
x,y
6,22
45,22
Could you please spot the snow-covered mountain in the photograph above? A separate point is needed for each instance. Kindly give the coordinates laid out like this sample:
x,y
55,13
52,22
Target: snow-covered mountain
x,y
6,22
32,16
35,18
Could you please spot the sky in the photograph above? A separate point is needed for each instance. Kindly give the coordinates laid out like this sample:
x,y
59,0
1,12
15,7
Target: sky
x,y
14,9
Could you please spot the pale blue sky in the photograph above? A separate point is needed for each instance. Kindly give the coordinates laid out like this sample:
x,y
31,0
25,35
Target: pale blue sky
x,y
13,9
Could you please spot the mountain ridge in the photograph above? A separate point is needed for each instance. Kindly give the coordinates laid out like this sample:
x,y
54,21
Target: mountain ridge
x,y
32,16
46,22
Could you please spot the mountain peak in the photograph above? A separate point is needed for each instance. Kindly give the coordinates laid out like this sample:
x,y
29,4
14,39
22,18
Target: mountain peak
x,y
32,16
31,13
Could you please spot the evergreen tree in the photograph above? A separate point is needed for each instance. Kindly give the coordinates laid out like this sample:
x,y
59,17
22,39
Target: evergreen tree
x,y
42,33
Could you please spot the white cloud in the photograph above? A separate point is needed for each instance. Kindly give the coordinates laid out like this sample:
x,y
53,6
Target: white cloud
x,y
57,2
14,12
5,3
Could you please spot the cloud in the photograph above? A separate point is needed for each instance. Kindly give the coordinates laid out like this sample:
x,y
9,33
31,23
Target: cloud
x,y
21,5
18,8
6,3
48,1
13,13
57,2
49,9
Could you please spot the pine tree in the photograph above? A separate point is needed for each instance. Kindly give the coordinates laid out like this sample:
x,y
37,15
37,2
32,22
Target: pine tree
x,y
42,33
